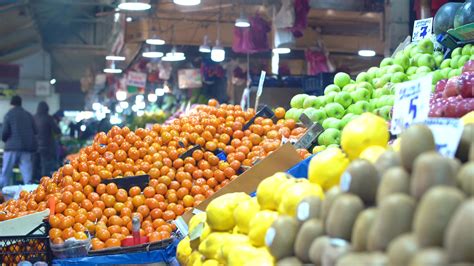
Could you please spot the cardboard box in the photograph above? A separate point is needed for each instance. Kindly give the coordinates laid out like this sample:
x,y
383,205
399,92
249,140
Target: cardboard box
x,y
279,161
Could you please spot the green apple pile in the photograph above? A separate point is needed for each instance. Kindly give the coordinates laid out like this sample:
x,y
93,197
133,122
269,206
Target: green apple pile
x,y
373,90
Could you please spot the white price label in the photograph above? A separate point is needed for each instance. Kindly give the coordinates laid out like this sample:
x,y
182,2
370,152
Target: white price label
x,y
447,134
412,103
260,83
422,29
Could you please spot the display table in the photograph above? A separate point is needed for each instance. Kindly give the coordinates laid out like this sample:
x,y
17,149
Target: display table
x,y
166,256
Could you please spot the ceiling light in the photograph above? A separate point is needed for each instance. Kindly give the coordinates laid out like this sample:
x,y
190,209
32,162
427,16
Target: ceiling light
x,y
96,106
134,5
121,95
218,52
124,105
242,21
139,98
155,41
141,105
187,2
118,109
115,58
160,92
129,19
52,81
112,69
152,54
152,97
83,128
366,53
282,50
174,56
134,108
205,48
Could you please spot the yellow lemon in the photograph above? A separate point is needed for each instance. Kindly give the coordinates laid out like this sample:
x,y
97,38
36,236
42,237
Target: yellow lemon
x,y
318,148
372,153
244,212
196,220
259,225
211,246
326,167
266,190
195,259
230,242
280,191
362,132
468,118
240,254
296,193
183,251
210,263
220,211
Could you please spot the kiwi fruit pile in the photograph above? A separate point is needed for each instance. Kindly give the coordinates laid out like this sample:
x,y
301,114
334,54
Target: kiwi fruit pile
x,y
412,207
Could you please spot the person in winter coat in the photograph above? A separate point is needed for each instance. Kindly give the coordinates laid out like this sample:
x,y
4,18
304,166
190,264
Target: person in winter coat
x,y
19,134
48,129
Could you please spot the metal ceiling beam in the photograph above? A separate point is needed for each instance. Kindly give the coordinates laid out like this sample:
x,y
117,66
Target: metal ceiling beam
x,y
20,53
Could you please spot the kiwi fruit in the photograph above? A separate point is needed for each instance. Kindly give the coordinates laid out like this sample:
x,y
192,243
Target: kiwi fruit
x,y
309,231
280,237
354,258
309,208
289,261
455,165
329,197
361,229
471,153
377,259
394,217
342,216
361,178
387,160
429,257
416,140
402,249
317,249
335,249
465,178
467,138
433,214
458,237
395,180
430,169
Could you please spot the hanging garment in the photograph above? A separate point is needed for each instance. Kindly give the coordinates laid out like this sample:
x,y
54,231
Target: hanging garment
x,y
301,14
285,18
317,62
253,39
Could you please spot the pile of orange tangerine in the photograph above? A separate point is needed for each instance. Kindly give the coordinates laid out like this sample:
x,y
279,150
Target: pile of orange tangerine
x,y
83,203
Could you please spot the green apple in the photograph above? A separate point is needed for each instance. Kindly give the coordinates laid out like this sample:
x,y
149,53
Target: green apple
x,y
466,50
414,51
379,92
462,60
398,77
360,94
423,69
395,68
414,59
341,79
298,100
386,100
373,103
402,60
472,50
349,87
318,116
330,88
426,46
319,102
343,98
445,72
386,62
332,122
372,72
411,70
334,110
454,61
346,119
472,56
437,76
408,48
384,112
365,85
381,71
382,81
330,97
294,113
446,63
363,77
456,51
454,72
426,60
438,57
359,108
329,136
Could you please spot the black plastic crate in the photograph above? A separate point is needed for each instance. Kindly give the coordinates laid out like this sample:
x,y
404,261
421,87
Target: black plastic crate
x,y
315,85
32,247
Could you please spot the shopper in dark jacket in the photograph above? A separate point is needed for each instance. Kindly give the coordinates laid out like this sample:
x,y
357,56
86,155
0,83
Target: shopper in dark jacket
x,y
47,130
19,131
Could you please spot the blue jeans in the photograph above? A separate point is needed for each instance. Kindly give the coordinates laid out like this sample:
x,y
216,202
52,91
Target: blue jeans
x,y
10,159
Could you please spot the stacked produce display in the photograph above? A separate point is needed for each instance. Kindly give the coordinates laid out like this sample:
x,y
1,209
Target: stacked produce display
x,y
408,205
83,203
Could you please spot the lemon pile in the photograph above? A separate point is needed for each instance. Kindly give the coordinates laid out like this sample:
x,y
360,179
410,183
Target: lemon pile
x,y
232,230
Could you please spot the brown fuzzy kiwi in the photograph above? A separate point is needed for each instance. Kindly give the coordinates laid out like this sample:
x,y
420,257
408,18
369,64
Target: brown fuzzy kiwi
x,y
429,257
309,231
387,160
316,250
467,138
329,198
280,237
402,249
465,178
416,140
289,261
342,216
361,178
459,236
309,208
361,229
395,180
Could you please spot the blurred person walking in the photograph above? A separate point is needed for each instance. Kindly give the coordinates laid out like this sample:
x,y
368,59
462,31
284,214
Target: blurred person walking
x,y
48,130
19,131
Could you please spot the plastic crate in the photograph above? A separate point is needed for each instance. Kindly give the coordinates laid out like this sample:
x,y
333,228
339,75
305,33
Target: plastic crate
x,y
314,85
32,247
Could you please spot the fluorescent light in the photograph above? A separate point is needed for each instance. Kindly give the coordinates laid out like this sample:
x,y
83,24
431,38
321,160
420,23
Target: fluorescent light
x,y
134,108
141,105
205,48
134,5
187,2
152,54
160,92
52,81
174,56
139,98
112,71
282,50
118,109
121,95
83,128
96,106
242,22
124,105
129,19
155,41
218,53
115,58
152,97
366,53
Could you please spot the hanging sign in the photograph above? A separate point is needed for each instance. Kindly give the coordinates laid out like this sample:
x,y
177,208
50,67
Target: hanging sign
x,y
447,134
422,29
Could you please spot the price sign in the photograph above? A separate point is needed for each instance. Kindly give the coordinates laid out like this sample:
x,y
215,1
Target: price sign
x,y
447,134
411,103
422,28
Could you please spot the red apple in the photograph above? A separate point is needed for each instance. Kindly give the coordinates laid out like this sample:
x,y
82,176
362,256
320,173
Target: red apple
x,y
464,106
440,85
453,87
451,107
469,66
467,84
